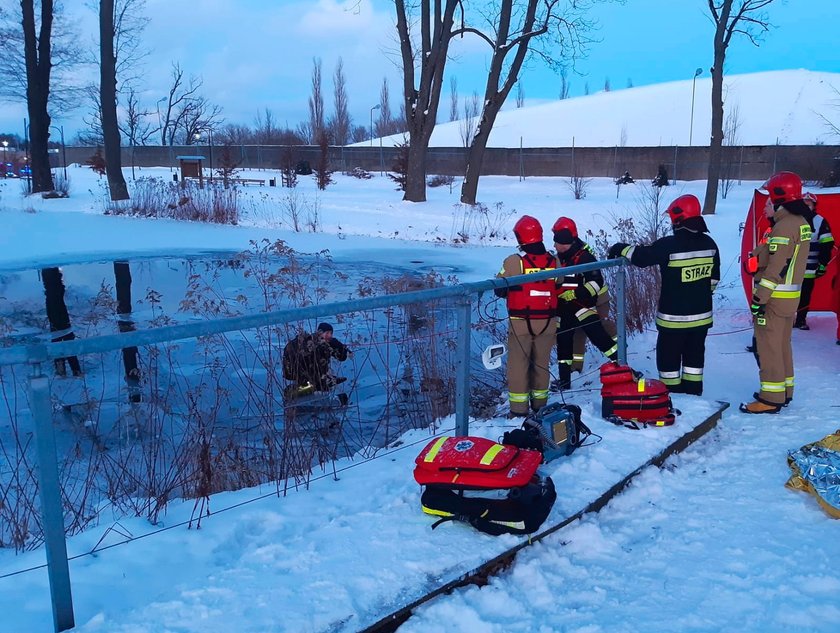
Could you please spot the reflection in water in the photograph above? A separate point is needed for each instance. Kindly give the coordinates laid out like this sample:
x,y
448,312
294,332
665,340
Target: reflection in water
x,y
59,319
122,274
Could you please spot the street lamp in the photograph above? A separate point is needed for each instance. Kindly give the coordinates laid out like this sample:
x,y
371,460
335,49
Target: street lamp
x,y
5,146
210,149
63,148
697,73
376,107
160,121
197,137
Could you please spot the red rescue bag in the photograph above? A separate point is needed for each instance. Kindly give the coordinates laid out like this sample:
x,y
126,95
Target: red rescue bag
x,y
631,400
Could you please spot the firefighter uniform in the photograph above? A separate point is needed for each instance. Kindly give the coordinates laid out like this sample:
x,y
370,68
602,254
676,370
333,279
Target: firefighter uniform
x,y
580,314
777,288
689,265
602,307
531,310
819,255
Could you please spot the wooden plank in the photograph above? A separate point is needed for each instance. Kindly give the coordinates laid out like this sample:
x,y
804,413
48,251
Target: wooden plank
x,y
480,575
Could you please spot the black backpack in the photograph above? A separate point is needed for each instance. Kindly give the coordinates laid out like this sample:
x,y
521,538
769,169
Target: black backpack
x,y
514,511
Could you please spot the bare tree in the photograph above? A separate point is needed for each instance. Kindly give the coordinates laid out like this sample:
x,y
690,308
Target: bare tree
x,y
423,62
37,54
235,134
136,127
180,92
265,130
340,122
316,102
554,30
108,100
748,18
384,126
731,140
565,86
520,94
469,121
833,127
453,98
195,116
66,58
360,133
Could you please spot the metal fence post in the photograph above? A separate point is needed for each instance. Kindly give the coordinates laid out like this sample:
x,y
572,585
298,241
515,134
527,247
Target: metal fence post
x,y
462,368
621,312
52,513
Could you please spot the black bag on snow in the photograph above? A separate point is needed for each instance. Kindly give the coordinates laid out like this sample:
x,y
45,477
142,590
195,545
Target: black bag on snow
x,y
520,511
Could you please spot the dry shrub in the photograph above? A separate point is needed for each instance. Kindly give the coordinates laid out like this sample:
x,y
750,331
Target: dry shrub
x,y
154,198
579,185
478,223
642,285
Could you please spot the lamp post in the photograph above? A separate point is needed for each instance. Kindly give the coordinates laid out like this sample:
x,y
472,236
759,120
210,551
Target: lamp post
x,y
697,73
160,121
210,149
376,107
60,129
26,167
5,146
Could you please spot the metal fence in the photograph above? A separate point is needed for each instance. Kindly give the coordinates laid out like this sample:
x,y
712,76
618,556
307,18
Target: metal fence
x,y
36,355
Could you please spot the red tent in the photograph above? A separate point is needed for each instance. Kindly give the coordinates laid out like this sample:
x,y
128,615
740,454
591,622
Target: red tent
x,y
826,297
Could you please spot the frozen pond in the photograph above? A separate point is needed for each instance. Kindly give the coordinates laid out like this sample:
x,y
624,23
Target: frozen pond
x,y
193,417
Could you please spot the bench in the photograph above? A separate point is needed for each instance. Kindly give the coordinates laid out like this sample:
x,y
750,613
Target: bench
x,y
248,181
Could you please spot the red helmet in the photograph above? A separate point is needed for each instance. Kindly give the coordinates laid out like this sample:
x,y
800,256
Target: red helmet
x,y
528,230
565,230
684,207
784,187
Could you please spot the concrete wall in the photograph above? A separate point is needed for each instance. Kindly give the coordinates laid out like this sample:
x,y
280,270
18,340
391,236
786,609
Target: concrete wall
x,y
812,162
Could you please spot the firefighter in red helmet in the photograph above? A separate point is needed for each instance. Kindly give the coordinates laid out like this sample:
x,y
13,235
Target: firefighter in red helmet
x,y
583,304
776,291
531,311
689,264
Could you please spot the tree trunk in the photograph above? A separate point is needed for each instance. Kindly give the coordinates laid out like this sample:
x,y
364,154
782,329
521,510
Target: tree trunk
x,y
415,173
421,102
716,141
495,94
38,66
108,102
475,154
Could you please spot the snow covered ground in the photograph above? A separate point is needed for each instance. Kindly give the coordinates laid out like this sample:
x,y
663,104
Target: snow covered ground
x,y
712,542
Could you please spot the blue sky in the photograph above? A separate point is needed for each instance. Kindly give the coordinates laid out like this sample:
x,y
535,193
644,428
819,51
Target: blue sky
x,y
257,54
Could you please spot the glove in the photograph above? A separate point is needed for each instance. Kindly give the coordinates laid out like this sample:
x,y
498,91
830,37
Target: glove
x,y
820,270
567,295
757,309
615,250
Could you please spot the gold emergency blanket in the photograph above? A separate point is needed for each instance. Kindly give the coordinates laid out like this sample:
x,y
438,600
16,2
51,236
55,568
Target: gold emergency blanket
x,y
816,470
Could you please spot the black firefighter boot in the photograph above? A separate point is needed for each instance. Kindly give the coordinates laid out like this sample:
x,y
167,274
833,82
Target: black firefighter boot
x,y
564,378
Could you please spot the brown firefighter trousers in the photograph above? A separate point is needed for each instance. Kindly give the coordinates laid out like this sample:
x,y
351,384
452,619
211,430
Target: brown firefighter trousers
x,y
775,356
528,361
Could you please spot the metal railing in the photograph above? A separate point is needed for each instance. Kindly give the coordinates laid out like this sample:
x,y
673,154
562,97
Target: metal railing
x,y
36,354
